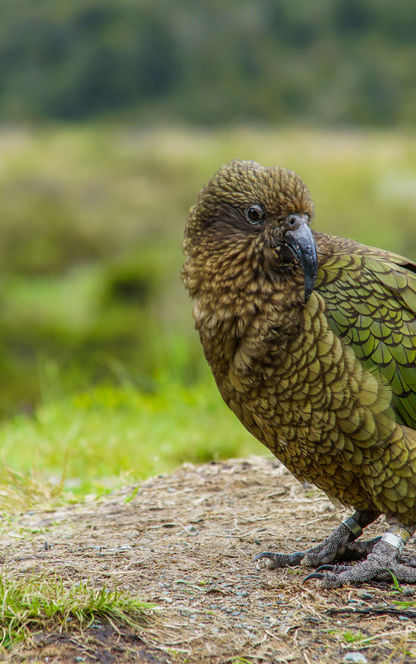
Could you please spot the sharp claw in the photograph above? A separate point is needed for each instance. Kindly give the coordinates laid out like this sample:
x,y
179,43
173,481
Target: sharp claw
x,y
314,575
296,557
327,567
265,554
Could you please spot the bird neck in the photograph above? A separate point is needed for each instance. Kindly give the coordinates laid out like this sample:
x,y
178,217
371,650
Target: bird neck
x,y
232,285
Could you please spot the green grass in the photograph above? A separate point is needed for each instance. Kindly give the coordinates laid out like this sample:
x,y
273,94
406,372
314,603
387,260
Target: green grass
x,y
38,603
98,439
352,638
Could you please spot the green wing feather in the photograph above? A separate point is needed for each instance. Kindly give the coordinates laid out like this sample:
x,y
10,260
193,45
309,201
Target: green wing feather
x,y
370,297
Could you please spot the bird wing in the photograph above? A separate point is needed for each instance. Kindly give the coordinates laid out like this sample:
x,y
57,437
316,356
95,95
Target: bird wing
x,y
370,298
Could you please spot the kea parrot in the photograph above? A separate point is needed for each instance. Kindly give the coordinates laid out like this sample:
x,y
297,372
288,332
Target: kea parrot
x,y
311,339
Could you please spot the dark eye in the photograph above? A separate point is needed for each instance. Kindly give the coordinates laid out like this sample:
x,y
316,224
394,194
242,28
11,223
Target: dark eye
x,y
255,214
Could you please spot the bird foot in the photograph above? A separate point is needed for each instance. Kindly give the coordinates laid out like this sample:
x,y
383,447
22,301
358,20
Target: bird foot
x,y
330,551
383,562
335,548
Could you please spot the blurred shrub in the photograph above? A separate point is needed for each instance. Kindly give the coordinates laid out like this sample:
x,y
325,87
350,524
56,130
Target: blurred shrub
x,y
133,281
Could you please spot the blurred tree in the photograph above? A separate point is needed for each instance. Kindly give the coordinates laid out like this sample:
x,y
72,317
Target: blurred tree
x,y
330,61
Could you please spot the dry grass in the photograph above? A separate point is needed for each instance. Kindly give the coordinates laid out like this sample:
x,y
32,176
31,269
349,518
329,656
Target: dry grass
x,y
186,542
20,492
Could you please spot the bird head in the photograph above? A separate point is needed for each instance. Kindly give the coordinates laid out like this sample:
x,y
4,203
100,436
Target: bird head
x,y
251,213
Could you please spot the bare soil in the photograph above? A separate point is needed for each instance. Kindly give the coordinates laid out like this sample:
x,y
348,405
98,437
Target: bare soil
x,y
186,542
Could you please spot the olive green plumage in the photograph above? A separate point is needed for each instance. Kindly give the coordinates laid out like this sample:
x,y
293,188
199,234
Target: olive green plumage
x,y
371,303
328,385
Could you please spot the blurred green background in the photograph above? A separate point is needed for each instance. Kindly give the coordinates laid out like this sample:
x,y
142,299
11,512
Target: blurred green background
x,y
113,115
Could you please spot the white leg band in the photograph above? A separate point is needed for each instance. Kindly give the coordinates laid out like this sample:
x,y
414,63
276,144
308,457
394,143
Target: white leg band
x,y
396,537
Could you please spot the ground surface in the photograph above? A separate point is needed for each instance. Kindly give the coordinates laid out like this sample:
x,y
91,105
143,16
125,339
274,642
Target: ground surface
x,y
186,542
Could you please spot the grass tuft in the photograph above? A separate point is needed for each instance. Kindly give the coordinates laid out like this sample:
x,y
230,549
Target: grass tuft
x,y
37,604
395,581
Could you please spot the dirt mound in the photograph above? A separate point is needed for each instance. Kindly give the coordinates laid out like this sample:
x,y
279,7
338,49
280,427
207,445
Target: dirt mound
x,y
186,542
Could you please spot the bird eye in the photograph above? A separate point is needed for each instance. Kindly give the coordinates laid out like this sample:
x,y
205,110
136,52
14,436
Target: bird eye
x,y
255,214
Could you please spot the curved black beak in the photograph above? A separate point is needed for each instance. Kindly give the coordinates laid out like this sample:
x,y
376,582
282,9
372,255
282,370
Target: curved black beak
x,y
301,243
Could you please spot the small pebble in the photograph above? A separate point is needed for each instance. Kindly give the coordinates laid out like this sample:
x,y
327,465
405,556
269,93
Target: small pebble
x,y
355,657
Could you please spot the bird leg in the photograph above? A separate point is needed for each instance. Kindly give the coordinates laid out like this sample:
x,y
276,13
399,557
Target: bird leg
x,y
339,546
383,562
